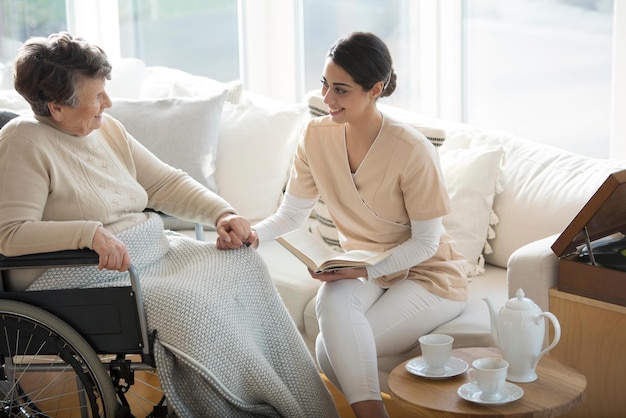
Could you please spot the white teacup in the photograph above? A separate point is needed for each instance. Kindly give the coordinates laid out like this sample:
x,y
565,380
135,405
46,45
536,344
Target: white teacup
x,y
490,377
436,350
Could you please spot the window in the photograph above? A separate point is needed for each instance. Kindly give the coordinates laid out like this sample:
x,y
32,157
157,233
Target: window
x,y
325,21
196,36
541,70
20,20
546,70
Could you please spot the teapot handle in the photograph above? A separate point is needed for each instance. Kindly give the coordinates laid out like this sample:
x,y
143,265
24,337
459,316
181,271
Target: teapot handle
x,y
557,334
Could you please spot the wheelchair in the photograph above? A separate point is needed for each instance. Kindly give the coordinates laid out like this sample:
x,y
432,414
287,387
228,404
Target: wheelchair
x,y
74,352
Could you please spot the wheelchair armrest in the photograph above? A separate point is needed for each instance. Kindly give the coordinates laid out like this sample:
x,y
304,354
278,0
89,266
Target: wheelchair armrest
x,y
83,257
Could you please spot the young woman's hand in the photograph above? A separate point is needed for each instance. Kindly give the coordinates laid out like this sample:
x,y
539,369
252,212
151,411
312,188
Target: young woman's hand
x,y
341,274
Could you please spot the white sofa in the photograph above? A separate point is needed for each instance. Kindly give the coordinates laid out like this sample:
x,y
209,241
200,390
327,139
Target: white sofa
x,y
511,196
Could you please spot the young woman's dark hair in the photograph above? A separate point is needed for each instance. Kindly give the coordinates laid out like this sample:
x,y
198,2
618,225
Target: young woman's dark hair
x,y
366,58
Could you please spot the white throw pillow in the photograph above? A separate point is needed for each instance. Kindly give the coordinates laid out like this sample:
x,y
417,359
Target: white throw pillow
x,y
126,78
162,82
257,140
471,179
183,132
12,100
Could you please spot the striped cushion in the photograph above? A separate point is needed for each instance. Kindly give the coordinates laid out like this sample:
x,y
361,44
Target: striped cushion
x,y
324,227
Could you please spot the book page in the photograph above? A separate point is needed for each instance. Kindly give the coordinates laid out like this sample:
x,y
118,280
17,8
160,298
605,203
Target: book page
x,y
354,258
320,257
307,248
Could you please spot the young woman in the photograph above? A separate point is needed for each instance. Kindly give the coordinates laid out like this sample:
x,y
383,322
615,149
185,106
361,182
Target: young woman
x,y
384,190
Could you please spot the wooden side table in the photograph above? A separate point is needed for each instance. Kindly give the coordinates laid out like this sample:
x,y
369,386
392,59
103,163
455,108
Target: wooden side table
x,y
558,389
593,337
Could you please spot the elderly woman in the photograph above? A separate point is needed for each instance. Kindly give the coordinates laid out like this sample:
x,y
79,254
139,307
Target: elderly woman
x,y
73,177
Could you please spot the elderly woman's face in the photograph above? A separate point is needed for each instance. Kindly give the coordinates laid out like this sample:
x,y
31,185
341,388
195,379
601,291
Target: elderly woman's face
x,y
87,116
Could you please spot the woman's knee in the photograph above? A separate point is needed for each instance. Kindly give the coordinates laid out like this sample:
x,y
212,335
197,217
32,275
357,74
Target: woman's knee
x,y
334,297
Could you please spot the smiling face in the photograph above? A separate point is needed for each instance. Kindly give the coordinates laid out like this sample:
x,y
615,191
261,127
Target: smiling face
x,y
346,100
81,120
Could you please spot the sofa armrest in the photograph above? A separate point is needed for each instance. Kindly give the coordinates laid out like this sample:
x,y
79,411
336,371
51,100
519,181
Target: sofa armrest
x,y
535,269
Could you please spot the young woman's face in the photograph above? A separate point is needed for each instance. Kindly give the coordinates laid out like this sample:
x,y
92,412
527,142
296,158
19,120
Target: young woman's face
x,y
87,116
346,100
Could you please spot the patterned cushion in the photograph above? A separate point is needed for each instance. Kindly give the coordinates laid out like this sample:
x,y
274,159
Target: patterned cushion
x,y
472,182
323,226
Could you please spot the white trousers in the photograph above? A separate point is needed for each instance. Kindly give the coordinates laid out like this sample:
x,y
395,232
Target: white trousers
x,y
360,321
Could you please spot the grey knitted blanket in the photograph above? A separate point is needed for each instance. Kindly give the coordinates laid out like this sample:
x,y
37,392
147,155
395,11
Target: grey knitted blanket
x,y
226,346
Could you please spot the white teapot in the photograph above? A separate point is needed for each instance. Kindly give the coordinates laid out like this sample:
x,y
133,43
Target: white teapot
x,y
519,331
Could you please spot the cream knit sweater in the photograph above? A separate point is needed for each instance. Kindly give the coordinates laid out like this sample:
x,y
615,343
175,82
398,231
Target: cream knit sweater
x,y
56,189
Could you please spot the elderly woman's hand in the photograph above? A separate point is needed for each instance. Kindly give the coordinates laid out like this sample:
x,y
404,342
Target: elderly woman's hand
x,y
233,232
113,252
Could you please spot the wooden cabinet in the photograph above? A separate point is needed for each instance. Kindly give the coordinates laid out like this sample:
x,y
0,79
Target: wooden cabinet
x,y
602,276
593,340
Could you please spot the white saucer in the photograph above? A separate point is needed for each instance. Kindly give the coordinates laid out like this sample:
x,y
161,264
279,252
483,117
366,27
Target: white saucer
x,y
418,366
471,392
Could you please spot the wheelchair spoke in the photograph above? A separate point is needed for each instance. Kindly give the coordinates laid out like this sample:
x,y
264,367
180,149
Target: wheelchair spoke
x,y
48,370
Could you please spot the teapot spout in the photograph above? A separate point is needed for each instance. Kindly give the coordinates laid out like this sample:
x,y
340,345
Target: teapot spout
x,y
492,315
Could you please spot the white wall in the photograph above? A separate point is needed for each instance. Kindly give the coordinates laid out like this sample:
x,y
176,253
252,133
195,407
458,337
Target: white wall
x,y
269,35
618,117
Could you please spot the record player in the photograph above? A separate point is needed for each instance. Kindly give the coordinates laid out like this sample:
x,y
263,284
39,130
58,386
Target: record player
x,y
592,249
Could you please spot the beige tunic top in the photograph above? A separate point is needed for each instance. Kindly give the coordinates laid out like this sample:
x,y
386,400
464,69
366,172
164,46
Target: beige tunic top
x,y
398,181
56,189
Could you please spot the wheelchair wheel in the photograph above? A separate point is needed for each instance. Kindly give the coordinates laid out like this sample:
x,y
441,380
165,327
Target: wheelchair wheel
x,y
48,369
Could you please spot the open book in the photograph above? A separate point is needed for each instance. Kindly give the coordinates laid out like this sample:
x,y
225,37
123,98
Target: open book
x,y
319,257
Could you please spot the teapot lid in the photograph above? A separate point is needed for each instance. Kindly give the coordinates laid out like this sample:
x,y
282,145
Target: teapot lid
x,y
519,302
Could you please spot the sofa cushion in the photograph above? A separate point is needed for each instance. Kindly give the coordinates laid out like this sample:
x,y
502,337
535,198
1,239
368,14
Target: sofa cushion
x,y
183,132
12,100
257,139
471,179
543,188
127,75
324,227
162,82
